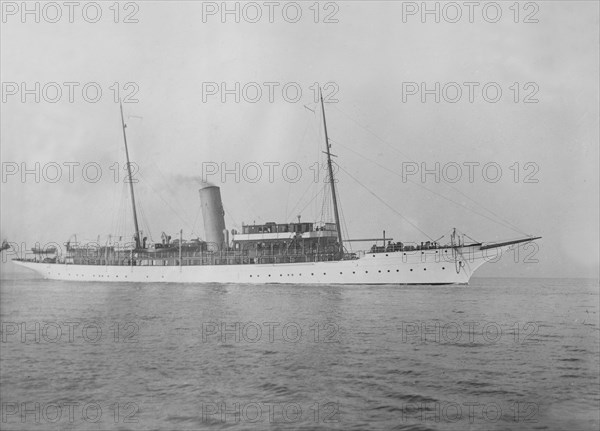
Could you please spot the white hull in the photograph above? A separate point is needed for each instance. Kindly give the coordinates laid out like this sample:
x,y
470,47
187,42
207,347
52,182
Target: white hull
x,y
415,267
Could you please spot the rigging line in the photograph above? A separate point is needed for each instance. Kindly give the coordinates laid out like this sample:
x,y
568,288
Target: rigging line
x,y
299,201
145,222
384,202
514,228
433,192
372,133
470,237
317,140
115,212
344,222
196,221
166,184
185,222
230,215
287,201
323,203
309,202
120,219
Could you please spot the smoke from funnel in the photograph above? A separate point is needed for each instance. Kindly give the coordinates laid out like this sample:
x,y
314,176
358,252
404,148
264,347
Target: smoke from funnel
x,y
188,179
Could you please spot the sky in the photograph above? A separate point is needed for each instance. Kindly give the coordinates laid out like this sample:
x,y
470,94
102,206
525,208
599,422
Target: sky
x,y
508,96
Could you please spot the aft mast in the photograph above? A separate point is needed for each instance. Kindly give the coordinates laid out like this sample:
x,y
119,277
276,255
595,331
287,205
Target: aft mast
x,y
331,178
130,179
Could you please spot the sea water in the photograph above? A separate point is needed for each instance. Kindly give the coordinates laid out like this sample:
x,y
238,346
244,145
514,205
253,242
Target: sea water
x,y
496,354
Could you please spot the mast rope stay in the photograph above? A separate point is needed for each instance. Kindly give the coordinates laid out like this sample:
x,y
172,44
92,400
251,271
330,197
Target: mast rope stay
x,y
384,202
502,222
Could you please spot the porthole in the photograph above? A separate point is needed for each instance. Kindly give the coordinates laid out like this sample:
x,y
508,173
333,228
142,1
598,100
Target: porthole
x,y
379,271
366,272
388,270
386,254
340,273
353,272
312,273
250,275
424,269
373,255
324,273
269,275
443,267
397,270
411,270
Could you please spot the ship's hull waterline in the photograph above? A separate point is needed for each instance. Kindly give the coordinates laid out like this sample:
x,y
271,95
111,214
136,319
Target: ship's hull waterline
x,y
440,266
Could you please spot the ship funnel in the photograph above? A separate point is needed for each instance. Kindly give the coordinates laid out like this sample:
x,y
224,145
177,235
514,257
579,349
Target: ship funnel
x,y
213,215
